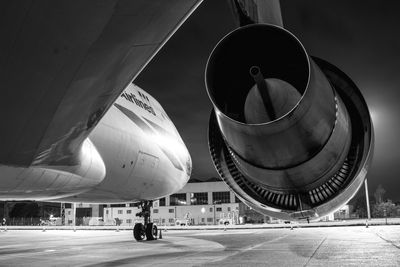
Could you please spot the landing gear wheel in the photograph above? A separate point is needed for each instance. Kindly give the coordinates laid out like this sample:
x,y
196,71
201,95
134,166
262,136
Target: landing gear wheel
x,y
139,232
147,229
151,231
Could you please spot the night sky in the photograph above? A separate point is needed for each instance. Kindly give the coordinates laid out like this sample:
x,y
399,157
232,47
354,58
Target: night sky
x,y
362,38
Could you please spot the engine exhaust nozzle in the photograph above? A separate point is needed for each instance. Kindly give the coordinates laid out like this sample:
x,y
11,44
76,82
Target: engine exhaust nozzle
x,y
284,114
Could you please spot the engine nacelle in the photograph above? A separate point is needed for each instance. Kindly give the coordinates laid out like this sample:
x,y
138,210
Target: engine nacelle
x,y
294,145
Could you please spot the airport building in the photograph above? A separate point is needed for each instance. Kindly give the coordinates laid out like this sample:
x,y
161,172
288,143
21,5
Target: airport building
x,y
198,203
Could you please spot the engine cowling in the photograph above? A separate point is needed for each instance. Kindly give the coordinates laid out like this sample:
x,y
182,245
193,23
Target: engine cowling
x,y
294,145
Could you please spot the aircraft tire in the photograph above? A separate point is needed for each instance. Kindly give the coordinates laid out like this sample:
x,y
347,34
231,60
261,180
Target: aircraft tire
x,y
151,231
139,232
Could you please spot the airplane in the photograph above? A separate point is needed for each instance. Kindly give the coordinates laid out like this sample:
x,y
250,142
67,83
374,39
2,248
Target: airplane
x,y
76,129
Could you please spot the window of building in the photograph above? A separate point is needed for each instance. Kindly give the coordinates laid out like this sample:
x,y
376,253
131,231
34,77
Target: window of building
x,y
117,205
177,199
202,220
69,212
171,220
119,211
128,220
128,211
155,210
209,219
106,211
221,197
211,209
171,210
237,200
162,202
218,209
163,220
156,221
229,208
199,198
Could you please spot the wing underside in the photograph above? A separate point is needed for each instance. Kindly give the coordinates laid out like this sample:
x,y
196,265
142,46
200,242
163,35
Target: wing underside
x,y
63,64
256,11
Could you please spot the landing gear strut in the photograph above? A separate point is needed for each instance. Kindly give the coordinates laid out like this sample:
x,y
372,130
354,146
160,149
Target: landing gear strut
x,y
149,229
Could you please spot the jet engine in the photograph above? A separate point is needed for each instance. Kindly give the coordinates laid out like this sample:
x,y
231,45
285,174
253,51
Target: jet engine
x,y
290,134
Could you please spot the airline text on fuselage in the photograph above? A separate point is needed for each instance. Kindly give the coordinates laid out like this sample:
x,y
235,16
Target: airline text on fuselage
x,y
132,98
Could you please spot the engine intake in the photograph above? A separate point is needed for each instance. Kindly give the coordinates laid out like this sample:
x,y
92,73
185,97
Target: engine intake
x,y
293,145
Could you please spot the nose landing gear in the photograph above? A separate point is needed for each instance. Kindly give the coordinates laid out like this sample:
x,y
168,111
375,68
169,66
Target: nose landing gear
x,y
149,229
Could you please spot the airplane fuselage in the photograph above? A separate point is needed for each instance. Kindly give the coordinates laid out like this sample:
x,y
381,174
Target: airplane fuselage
x,y
134,153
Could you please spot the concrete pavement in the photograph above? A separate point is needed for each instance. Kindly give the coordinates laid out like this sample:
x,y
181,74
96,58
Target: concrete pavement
x,y
328,246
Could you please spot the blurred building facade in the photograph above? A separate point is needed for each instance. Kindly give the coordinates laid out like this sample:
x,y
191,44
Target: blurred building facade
x,y
198,203
207,202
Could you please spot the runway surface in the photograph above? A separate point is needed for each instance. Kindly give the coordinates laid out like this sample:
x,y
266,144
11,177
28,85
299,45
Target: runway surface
x,y
328,246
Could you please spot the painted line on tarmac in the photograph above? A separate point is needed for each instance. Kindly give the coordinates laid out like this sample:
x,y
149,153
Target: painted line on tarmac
x,y
388,241
315,251
251,247
227,232
191,248
235,252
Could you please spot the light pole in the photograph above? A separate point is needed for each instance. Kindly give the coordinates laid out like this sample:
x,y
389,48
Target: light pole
x,y
175,214
385,215
214,214
367,199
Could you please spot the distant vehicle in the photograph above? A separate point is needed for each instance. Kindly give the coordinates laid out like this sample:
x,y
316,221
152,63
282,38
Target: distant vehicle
x,y
182,222
50,221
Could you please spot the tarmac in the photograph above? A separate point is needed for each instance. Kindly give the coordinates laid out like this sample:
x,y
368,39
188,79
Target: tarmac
x,y
301,246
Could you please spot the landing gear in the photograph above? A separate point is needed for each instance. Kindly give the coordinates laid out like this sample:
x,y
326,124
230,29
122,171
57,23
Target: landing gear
x,y
151,231
139,231
148,229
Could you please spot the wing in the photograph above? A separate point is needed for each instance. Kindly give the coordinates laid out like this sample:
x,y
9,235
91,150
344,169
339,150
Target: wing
x,y
63,63
257,11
